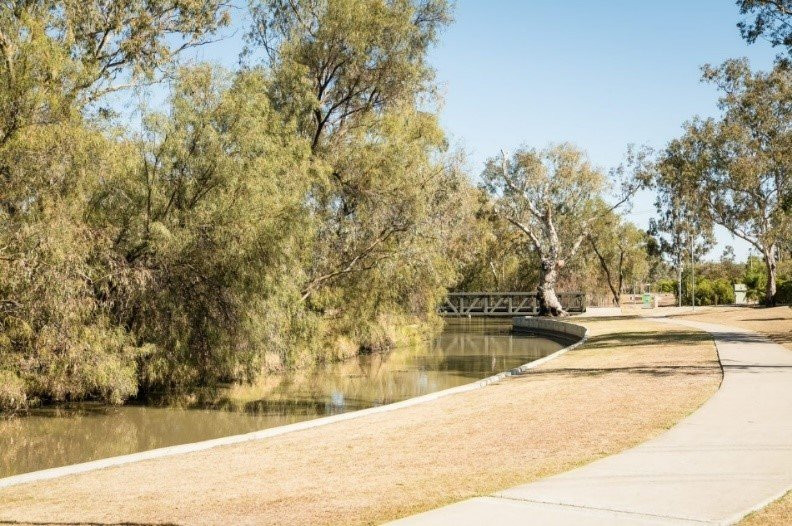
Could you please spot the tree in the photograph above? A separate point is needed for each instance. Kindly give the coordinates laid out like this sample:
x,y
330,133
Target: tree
x,y
620,247
685,232
353,74
771,19
741,161
337,60
204,233
552,197
58,340
56,56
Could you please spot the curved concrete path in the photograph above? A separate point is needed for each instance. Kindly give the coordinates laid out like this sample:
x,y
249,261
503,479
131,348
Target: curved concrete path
x,y
731,457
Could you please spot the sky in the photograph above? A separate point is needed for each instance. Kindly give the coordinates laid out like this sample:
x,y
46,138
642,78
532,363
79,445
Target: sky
x,y
601,75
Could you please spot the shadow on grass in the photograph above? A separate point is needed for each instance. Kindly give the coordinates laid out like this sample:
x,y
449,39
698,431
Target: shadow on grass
x,y
643,370
645,339
678,339
573,319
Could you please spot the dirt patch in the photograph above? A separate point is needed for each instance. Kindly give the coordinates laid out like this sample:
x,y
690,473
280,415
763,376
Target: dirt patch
x,y
631,381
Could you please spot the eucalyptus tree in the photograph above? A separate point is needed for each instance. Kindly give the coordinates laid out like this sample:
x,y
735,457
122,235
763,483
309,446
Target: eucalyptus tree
x,y
684,230
621,250
769,19
741,161
553,197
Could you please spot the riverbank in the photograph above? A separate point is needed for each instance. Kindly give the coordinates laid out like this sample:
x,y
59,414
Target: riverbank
x,y
631,381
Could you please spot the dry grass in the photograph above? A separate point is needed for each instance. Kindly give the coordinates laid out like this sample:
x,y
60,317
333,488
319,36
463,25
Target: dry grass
x,y
778,513
633,380
776,322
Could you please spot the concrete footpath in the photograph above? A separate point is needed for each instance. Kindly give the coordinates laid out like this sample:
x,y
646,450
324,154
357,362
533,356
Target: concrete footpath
x,y
731,457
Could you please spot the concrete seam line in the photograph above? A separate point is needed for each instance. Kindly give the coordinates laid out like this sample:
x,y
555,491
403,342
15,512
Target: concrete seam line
x,y
194,447
609,510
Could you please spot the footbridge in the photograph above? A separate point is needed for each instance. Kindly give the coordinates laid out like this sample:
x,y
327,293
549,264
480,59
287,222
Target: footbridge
x,y
505,303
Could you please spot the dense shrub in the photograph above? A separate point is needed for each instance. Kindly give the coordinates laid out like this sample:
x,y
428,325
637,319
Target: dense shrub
x,y
714,292
784,292
666,286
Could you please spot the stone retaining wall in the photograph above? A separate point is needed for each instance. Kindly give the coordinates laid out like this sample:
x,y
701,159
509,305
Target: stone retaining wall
x,y
530,324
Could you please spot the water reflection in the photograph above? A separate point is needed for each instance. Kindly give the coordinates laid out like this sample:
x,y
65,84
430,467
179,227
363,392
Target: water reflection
x,y
464,351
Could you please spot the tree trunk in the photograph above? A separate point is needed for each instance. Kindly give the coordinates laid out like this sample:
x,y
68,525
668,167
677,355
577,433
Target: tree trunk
x,y
604,265
771,264
548,301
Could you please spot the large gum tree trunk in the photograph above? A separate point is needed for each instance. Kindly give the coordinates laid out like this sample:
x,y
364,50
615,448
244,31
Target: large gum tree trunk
x,y
548,301
771,264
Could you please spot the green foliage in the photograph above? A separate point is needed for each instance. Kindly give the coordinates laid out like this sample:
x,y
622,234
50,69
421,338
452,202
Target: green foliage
x,y
621,249
772,21
666,286
263,221
204,229
59,339
740,161
55,335
785,292
755,279
717,291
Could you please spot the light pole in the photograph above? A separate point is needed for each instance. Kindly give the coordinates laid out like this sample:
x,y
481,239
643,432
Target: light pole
x,y
692,273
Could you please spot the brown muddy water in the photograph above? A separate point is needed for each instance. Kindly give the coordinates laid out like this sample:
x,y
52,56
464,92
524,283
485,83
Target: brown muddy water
x,y
465,351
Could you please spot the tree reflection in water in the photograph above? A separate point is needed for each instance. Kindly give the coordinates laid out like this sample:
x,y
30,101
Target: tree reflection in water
x,y
463,352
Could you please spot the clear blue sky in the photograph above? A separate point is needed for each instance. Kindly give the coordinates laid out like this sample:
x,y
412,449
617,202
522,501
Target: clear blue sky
x,y
598,74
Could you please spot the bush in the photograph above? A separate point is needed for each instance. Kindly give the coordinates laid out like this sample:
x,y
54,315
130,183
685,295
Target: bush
x,y
12,392
710,292
784,292
666,286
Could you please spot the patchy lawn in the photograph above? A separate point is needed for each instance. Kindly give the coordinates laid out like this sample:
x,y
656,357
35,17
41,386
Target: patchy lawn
x,y
631,381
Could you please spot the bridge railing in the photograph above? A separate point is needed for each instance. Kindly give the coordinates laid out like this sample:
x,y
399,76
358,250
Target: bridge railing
x,y
504,303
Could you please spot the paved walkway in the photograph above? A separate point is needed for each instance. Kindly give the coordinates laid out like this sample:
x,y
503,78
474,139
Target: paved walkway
x,y
731,457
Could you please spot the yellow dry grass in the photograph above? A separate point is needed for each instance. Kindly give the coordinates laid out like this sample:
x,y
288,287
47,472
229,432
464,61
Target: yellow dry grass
x,y
630,382
778,513
776,322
